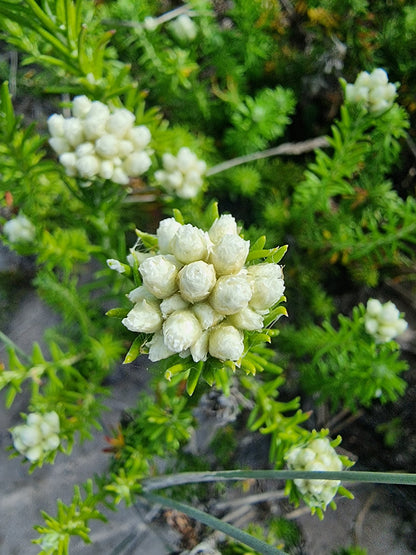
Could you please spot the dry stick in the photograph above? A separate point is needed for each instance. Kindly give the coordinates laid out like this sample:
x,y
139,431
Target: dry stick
x,y
359,523
285,148
347,421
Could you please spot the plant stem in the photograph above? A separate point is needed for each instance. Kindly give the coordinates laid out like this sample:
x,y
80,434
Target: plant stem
x,y
216,523
285,148
167,481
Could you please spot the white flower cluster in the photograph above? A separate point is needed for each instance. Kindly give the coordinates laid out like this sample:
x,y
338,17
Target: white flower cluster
x,y
97,142
19,230
383,321
39,435
198,296
372,90
182,174
317,455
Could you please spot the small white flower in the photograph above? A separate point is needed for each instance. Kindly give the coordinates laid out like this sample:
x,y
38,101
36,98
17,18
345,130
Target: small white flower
x,y
196,281
181,330
183,28
171,304
229,254
165,232
116,265
119,176
56,125
190,244
106,170
157,348
140,136
199,350
88,166
267,285
150,23
73,131
81,105
38,436
372,91
107,146
120,122
317,455
19,230
144,317
383,321
137,163
139,294
59,144
159,275
226,343
231,294
224,225
206,315
246,319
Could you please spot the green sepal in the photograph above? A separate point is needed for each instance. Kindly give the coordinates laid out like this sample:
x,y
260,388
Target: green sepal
x,y
194,375
177,214
117,312
212,213
135,349
149,241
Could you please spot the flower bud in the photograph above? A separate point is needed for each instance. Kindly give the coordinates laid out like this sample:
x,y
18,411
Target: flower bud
x,y
38,436
107,146
180,330
56,125
231,294
81,105
59,144
140,136
165,232
137,163
196,281
189,244
226,343
140,293
73,131
199,350
246,319
159,275
267,284
144,317
120,122
88,166
157,348
229,254
383,321
171,304
206,315
119,176
224,225
19,230
183,29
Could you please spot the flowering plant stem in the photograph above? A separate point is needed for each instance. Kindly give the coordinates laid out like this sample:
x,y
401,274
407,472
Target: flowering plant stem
x,y
170,480
216,523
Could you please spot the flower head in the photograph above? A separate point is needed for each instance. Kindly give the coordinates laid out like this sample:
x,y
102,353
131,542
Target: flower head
x,y
317,455
98,142
383,321
372,90
19,230
38,436
182,174
198,297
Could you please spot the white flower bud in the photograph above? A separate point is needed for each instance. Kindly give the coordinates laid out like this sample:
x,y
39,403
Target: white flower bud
x,y
383,321
224,225
226,343
59,144
206,315
107,146
196,281
125,147
379,77
231,294
51,442
106,170
165,232
144,317
140,136
84,149
139,294
19,230
169,162
181,330
157,348
150,23
119,176
73,131
120,122
171,304
318,455
183,28
69,161
137,163
116,265
56,125
190,244
159,275
38,436
247,319
229,254
88,166
267,284
199,350
81,105
95,120
52,420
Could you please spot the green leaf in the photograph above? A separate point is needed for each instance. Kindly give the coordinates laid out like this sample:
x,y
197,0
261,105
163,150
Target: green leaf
x,y
135,349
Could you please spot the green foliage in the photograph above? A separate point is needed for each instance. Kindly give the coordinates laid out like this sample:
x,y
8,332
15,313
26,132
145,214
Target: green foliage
x,y
344,365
